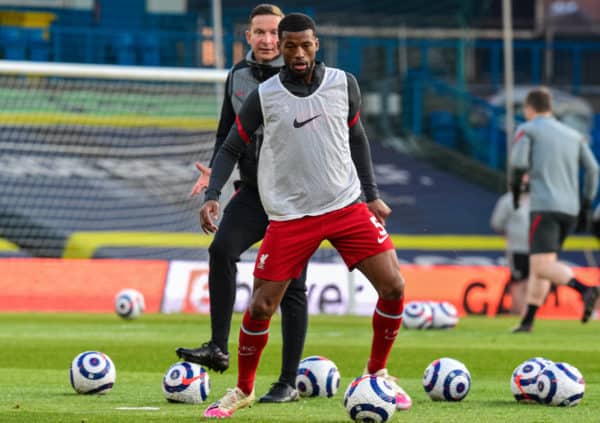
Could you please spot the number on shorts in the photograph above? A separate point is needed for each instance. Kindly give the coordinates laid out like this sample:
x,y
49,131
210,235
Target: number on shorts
x,y
382,232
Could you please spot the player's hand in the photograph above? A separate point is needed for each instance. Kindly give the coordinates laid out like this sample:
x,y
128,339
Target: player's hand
x,y
209,212
202,181
379,209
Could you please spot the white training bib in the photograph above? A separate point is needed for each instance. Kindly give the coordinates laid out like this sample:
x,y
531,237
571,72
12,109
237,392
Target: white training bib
x,y
305,167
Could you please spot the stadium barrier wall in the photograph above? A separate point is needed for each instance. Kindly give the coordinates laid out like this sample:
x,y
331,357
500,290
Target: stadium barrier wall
x,y
55,285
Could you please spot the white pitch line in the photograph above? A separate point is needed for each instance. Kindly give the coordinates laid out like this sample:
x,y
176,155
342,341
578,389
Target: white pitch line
x,y
138,408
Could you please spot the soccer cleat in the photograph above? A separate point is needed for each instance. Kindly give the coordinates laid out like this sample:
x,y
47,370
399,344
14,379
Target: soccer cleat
x,y
523,328
233,400
208,355
280,392
589,296
403,400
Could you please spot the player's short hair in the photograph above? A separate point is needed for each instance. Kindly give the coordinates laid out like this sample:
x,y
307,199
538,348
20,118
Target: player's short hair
x,y
539,99
296,22
265,9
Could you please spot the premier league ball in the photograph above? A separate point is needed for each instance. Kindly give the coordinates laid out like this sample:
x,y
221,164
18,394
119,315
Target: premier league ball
x,y
129,303
92,372
317,377
417,315
186,382
444,315
370,399
560,384
523,382
447,379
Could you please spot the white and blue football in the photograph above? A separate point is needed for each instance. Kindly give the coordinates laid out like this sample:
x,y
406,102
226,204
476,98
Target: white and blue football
x,y
317,377
186,382
129,303
444,315
447,379
370,398
417,315
523,382
92,372
560,384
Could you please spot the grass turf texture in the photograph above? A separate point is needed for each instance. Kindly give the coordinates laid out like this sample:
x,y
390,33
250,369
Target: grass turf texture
x,y
37,350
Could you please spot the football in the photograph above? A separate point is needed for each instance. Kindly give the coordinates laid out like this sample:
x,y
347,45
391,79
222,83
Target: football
x,y
444,315
447,379
317,377
370,398
560,384
186,382
523,382
92,372
417,315
129,303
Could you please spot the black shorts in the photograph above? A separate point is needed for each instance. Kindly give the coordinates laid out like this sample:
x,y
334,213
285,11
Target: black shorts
x,y
548,231
519,266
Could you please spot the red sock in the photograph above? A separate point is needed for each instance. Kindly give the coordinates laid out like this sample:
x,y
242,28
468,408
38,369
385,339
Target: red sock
x,y
387,318
254,335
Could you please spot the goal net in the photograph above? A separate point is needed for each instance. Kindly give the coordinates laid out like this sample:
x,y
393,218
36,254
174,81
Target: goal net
x,y
98,149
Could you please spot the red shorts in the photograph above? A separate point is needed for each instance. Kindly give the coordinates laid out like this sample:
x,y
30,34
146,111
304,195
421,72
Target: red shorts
x,y
287,246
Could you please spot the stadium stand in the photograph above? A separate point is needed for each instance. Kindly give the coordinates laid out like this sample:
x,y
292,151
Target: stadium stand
x,y
431,79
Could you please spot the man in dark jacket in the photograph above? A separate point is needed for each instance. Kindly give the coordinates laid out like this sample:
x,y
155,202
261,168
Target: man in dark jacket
x,y
244,220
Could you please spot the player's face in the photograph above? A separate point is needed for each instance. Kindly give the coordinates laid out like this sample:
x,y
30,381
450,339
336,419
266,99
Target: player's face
x,y
262,37
299,50
528,112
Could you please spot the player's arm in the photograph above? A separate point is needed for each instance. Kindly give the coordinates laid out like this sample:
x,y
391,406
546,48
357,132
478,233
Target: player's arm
x,y
361,153
590,187
246,123
518,163
501,213
226,119
590,164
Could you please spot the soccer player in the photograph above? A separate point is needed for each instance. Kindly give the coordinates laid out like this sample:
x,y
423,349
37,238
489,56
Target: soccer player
x,y
244,220
551,153
514,225
314,149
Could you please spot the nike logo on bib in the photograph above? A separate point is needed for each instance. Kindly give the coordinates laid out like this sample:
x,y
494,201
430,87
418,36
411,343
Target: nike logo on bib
x,y
304,122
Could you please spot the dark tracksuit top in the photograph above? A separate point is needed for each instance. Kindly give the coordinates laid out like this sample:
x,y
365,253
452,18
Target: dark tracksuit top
x,y
243,78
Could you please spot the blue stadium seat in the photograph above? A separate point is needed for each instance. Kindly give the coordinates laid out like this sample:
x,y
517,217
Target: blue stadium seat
x,y
13,43
39,46
149,48
124,45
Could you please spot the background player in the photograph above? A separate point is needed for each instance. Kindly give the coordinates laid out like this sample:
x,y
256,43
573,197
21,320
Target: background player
x,y
551,153
514,225
244,220
314,149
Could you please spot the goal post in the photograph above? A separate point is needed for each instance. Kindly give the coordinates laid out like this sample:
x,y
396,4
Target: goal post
x,y
93,148
151,96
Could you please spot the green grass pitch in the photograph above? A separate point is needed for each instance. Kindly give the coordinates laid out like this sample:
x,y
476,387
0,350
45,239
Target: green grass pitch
x,y
36,351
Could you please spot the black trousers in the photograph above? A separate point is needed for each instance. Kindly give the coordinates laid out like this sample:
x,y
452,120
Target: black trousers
x,y
244,223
